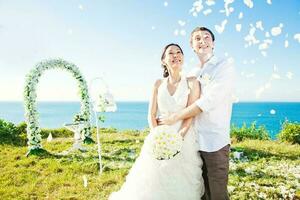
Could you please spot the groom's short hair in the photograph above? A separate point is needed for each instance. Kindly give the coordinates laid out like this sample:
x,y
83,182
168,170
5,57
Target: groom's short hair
x,y
202,28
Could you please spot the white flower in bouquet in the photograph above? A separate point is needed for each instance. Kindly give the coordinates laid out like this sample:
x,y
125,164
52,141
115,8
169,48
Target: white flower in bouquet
x,y
167,142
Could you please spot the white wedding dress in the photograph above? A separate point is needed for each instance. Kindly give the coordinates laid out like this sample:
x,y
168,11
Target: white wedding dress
x,y
179,178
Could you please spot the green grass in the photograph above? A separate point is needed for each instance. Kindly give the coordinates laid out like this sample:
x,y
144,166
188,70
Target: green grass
x,y
269,169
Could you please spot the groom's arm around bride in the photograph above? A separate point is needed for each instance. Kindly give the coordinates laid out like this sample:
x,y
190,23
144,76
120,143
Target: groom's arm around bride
x,y
212,112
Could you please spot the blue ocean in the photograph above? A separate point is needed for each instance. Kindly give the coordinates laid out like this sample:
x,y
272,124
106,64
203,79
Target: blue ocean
x,y
133,115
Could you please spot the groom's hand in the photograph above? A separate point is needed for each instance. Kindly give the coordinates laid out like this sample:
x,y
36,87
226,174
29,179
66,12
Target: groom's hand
x,y
167,120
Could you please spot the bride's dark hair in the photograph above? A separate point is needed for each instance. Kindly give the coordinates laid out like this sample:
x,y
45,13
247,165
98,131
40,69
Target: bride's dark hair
x,y
166,72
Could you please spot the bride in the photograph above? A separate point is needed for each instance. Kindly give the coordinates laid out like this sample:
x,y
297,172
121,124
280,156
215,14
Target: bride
x,y
179,178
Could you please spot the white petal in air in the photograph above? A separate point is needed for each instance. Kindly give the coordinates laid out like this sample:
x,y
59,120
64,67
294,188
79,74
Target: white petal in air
x,y
182,32
259,25
289,75
153,27
286,43
250,75
181,23
207,12
238,27
176,32
249,3
241,15
275,76
80,7
275,31
228,9
210,2
267,34
297,37
269,2
166,4
264,53
220,28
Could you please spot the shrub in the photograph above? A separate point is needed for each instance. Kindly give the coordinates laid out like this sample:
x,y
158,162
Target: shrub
x,y
290,132
251,132
9,134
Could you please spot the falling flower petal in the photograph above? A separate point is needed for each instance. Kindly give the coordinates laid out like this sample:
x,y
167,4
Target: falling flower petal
x,y
272,112
275,31
275,76
228,9
297,37
207,12
210,2
166,4
289,75
85,181
249,3
182,32
181,23
197,7
176,32
221,28
80,7
264,53
259,25
238,27
241,15
269,2
267,34
153,27
286,43
250,75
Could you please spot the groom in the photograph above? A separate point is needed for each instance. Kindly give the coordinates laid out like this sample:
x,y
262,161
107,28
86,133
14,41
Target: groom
x,y
212,113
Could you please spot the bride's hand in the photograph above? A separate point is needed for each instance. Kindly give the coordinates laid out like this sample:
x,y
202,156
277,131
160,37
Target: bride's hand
x,y
166,120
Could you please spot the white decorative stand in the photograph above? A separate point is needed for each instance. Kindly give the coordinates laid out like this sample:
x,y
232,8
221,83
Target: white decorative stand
x,y
76,128
102,101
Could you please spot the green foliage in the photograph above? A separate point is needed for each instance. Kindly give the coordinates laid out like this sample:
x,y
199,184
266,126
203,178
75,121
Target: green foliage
x,y
11,134
251,132
290,132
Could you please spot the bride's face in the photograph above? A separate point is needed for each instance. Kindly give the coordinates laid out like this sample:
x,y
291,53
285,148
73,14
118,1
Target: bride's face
x,y
173,58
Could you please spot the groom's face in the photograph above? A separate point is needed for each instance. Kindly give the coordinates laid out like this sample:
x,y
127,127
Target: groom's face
x,y
202,43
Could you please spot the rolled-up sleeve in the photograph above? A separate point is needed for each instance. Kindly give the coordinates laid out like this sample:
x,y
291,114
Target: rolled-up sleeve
x,y
219,89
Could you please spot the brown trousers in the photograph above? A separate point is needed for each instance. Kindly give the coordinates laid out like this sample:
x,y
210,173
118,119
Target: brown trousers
x,y
215,173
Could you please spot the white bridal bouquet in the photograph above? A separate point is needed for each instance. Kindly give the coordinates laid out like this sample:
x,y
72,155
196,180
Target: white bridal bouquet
x,y
167,142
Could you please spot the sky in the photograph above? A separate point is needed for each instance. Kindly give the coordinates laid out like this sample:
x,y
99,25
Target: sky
x,y
122,41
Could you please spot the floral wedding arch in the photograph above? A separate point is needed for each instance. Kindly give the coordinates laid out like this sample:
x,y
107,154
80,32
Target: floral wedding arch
x,y
31,113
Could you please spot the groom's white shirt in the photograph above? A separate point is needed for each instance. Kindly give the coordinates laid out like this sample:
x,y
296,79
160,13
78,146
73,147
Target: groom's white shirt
x,y
217,78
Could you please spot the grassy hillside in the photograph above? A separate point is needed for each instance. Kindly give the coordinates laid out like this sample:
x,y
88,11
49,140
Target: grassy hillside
x,y
268,170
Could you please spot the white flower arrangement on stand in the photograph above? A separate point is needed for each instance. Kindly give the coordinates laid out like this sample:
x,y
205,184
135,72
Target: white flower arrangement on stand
x,y
30,104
